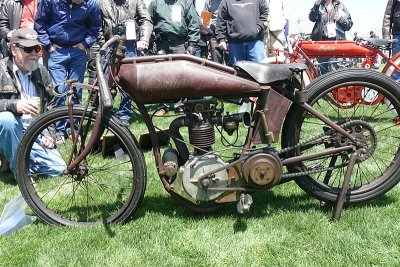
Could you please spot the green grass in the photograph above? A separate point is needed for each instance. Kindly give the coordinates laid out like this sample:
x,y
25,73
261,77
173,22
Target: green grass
x,y
285,227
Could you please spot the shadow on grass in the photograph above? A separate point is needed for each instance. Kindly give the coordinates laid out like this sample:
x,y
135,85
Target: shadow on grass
x,y
265,204
8,179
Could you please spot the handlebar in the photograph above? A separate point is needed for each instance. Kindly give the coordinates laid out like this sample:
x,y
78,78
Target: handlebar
x,y
105,93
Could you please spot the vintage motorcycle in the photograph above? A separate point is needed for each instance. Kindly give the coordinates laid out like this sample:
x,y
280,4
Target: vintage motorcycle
x,y
335,154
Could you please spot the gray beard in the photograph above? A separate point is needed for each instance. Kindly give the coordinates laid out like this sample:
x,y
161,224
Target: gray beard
x,y
31,66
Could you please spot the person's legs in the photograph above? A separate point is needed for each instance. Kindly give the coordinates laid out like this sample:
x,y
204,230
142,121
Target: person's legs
x,y
323,65
66,64
10,134
255,50
395,50
91,62
76,69
216,53
46,161
277,41
236,52
57,66
277,44
125,108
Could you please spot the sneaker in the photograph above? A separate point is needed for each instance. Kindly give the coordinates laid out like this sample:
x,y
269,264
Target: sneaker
x,y
159,113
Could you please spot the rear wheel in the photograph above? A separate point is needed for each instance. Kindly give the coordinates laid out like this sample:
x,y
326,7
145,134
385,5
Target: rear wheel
x,y
106,186
376,124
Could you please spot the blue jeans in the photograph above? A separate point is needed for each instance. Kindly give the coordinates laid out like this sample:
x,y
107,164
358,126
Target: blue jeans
x,y
250,51
395,50
125,108
42,160
323,65
67,63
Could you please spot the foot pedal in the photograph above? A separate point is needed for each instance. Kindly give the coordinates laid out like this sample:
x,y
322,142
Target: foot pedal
x,y
244,203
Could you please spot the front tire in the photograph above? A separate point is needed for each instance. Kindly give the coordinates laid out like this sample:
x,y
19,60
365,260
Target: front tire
x,y
106,187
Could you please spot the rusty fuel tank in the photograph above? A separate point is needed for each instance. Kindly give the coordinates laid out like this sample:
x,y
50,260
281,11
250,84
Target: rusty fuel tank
x,y
156,79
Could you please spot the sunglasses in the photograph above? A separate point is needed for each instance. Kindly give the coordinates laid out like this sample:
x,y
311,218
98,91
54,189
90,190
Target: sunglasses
x,y
29,50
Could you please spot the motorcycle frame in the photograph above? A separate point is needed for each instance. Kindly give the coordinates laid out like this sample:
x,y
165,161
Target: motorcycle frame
x,y
272,97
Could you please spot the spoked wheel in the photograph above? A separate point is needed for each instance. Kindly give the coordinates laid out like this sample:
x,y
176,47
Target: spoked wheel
x,y
105,187
375,126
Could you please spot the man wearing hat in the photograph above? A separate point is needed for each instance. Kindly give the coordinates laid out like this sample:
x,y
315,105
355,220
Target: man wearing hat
x,y
21,80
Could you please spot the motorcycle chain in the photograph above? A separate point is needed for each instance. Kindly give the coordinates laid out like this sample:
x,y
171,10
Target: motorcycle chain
x,y
297,174
309,141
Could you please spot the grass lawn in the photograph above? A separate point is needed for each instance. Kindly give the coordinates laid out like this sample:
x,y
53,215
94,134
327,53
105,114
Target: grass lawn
x,y
285,227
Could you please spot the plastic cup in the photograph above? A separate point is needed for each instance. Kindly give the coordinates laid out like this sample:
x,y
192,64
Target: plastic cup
x,y
36,101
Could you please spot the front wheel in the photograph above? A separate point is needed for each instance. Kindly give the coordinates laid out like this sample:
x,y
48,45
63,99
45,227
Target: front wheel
x,y
106,186
376,125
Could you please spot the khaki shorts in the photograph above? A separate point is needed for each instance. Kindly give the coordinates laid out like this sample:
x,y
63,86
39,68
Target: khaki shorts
x,y
275,41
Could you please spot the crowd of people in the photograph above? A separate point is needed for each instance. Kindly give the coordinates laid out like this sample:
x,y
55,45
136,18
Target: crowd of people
x,y
46,42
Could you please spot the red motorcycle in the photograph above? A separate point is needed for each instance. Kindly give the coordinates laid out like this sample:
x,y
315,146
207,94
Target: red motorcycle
x,y
216,156
367,50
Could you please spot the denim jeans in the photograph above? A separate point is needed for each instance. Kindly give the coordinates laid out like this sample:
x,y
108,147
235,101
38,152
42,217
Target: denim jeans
x,y
42,160
251,51
323,65
396,49
67,63
125,108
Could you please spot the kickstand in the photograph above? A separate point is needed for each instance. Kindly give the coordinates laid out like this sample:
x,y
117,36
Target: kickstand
x,y
346,182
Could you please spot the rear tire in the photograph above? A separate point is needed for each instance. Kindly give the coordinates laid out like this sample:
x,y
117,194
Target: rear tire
x,y
378,124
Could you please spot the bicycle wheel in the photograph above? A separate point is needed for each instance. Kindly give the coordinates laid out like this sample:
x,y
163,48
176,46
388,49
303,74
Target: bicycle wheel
x,y
106,186
376,125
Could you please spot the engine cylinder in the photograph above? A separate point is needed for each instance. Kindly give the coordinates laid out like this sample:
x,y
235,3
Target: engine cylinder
x,y
202,136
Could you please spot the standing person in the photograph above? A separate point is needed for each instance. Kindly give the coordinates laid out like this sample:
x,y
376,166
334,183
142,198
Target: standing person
x,y
22,79
242,24
331,20
391,23
17,14
391,26
217,54
67,28
176,27
128,13
278,19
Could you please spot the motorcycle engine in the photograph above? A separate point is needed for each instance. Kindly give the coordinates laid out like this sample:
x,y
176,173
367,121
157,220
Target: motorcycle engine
x,y
194,168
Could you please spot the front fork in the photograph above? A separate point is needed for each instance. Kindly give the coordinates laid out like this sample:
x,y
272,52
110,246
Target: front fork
x,y
77,155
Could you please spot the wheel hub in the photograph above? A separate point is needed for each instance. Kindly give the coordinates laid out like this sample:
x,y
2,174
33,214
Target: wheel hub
x,y
80,172
365,136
